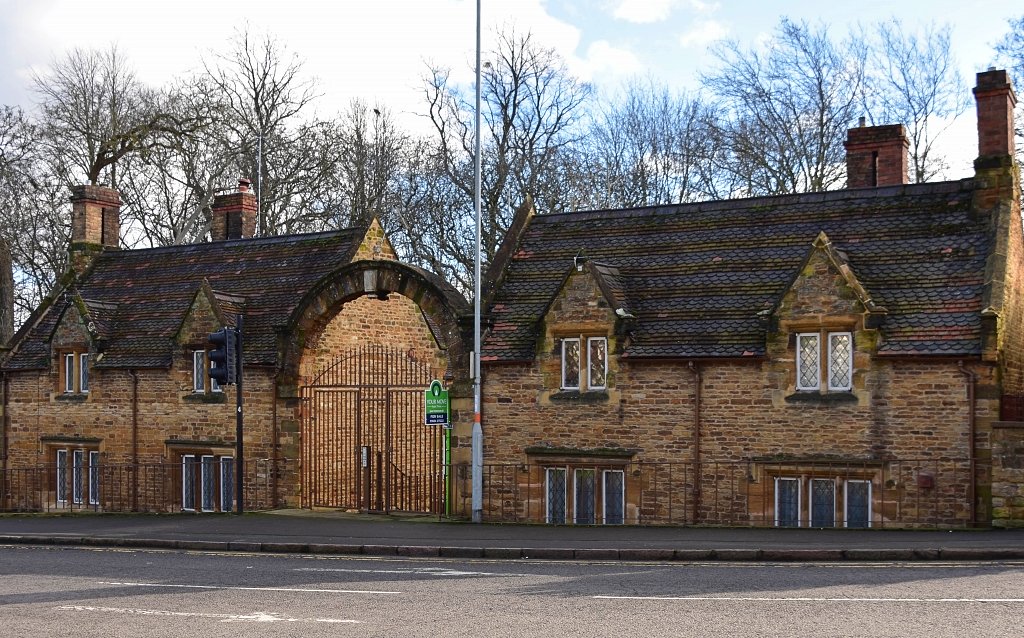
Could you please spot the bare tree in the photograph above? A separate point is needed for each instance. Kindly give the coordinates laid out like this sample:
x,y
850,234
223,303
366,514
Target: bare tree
x,y
646,148
173,182
1011,53
531,113
33,217
95,112
372,152
264,97
787,107
912,80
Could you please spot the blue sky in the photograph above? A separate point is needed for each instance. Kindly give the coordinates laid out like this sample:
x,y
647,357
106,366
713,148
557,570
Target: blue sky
x,y
376,49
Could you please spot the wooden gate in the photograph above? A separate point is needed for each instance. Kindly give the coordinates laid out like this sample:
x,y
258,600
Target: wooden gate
x,y
364,444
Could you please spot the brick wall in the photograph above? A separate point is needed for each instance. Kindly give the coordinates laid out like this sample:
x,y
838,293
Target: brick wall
x,y
750,411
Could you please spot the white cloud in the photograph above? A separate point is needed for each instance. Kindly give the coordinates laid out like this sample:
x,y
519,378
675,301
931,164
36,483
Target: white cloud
x,y
376,51
607,62
703,33
704,7
644,11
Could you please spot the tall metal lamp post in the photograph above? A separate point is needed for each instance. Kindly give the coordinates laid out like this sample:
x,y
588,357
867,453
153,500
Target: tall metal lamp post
x,y
478,434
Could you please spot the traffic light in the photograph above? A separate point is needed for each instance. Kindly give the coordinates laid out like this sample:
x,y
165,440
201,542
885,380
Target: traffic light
x,y
223,356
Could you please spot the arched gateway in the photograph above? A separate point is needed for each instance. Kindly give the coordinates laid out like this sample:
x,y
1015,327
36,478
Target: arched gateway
x,y
362,347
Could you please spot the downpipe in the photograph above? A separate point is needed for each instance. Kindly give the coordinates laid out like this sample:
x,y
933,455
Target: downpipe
x,y
695,369
135,439
972,381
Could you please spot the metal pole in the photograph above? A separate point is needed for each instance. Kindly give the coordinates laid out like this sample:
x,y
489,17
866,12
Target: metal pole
x,y
478,434
259,182
240,460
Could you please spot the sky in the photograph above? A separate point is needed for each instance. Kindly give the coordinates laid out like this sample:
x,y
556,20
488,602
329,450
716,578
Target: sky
x,y
378,50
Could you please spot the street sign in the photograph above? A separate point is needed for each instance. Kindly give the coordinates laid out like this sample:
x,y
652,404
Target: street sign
x,y
435,404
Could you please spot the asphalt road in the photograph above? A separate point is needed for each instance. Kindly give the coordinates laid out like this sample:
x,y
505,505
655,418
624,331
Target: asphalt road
x,y
53,591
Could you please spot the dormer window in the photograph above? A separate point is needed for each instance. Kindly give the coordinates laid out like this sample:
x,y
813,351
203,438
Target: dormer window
x,y
74,372
836,366
596,375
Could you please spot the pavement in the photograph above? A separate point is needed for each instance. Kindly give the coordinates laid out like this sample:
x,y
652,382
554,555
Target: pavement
x,y
315,532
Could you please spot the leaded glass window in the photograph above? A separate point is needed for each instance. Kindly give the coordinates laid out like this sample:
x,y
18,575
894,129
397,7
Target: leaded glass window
x,y
227,483
83,372
787,502
77,475
585,497
840,360
808,373
69,373
208,480
188,482
94,477
823,503
858,503
62,476
570,364
614,497
597,359
198,371
556,495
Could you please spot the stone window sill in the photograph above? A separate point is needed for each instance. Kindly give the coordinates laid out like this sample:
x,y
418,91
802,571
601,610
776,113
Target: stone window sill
x,y
822,398
205,397
72,397
575,396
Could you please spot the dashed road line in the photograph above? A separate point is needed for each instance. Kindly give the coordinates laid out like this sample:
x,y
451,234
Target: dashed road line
x,y
229,587
259,616
813,599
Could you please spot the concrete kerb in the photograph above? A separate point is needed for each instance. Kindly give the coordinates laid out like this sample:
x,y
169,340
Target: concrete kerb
x,y
773,555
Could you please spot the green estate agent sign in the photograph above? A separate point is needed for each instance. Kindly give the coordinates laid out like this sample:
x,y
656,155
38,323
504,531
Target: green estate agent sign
x,y
435,404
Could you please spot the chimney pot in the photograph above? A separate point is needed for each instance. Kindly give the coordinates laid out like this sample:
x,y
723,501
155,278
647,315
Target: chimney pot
x,y
244,184
862,122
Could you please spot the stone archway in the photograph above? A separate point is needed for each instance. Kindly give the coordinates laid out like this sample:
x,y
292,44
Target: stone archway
x,y
348,401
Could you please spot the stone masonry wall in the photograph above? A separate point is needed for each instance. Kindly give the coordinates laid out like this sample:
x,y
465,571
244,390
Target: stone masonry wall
x,y
750,413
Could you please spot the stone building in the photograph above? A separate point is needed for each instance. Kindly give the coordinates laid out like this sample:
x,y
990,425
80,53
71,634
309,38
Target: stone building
x,y
825,359
108,401
847,358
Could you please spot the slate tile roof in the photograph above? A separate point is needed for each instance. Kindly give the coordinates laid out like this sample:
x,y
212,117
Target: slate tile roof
x,y
697,275
138,298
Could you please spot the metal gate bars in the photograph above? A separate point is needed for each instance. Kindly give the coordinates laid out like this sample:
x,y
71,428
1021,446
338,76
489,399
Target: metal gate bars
x,y
364,444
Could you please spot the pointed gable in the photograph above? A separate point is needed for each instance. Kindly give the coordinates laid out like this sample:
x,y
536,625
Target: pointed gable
x,y
375,243
581,302
824,286
209,311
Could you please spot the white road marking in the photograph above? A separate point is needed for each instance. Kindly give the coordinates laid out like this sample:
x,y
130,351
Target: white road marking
x,y
418,571
288,589
805,599
259,616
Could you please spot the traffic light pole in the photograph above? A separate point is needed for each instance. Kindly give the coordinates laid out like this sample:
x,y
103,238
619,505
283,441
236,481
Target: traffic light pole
x,y
239,430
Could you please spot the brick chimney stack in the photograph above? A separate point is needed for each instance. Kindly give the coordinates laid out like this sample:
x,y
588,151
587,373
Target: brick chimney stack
x,y
876,156
95,223
995,99
234,214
